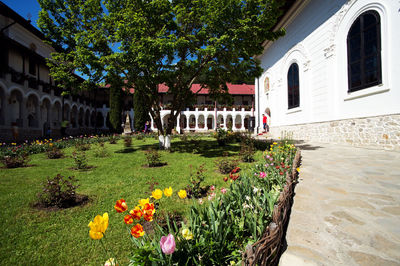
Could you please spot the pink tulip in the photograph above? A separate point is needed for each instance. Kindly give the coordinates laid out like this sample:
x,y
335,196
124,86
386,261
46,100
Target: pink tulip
x,y
167,244
263,174
212,188
223,190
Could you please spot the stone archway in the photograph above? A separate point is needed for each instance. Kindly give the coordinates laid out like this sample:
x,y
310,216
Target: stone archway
x,y
81,117
74,117
15,108
210,121
182,121
220,121
229,122
32,108
238,122
87,118
99,120
56,113
201,121
2,106
192,121
45,115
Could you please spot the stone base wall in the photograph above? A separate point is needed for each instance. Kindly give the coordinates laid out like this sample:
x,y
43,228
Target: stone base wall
x,y
379,132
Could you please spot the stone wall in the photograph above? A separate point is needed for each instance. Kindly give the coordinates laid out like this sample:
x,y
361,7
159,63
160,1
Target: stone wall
x,y
379,132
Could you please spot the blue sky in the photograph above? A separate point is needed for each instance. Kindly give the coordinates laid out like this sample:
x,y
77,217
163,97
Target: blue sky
x,y
25,7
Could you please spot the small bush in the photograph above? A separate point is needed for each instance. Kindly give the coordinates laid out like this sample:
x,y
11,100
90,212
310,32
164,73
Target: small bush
x,y
139,136
226,165
54,153
16,161
80,160
153,158
101,151
112,139
194,189
127,142
82,146
58,191
247,152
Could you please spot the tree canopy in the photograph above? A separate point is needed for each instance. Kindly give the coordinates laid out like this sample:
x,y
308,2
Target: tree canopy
x,y
151,42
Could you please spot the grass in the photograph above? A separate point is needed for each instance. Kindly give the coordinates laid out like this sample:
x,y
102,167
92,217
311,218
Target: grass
x,y
37,237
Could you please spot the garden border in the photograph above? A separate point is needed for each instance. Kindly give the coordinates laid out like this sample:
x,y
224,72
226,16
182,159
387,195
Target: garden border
x,y
268,249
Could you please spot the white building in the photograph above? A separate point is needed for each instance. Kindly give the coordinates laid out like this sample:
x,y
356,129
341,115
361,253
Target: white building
x,y
202,115
29,98
335,75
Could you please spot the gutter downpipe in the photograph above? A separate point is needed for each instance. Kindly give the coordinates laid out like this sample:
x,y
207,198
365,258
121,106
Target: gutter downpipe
x,y
258,103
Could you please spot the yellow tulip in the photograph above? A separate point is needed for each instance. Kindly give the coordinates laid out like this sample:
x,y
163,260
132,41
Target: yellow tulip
x,y
182,194
168,192
298,169
98,226
187,234
157,194
143,202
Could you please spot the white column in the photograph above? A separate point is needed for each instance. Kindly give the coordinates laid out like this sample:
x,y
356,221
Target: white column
x,y
178,126
196,124
242,117
187,122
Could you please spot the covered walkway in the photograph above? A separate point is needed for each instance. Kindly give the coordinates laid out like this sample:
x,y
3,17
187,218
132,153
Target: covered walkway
x,y
346,209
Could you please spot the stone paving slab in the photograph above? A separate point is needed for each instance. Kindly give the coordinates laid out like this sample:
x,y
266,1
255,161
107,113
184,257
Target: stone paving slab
x,y
346,208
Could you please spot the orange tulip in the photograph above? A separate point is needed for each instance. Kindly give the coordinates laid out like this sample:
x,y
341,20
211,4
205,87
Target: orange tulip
x,y
148,212
128,219
121,206
136,213
137,231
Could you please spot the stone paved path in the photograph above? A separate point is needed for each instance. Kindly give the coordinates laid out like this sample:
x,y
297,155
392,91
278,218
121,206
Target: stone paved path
x,y
346,209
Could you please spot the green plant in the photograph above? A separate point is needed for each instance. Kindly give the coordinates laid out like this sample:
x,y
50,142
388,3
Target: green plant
x,y
54,153
247,152
58,191
82,146
127,142
153,158
221,136
194,189
101,151
18,160
226,165
80,159
112,139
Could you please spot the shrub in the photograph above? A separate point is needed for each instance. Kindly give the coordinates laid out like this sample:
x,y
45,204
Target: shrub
x,y
127,142
58,191
80,160
82,146
194,189
221,136
226,165
247,152
16,161
153,158
54,153
112,139
101,151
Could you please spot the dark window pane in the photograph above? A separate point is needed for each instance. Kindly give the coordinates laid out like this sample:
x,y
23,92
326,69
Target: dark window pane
x,y
363,46
369,19
293,86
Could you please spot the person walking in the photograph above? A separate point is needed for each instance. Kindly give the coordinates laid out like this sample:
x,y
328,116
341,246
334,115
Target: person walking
x,y
265,123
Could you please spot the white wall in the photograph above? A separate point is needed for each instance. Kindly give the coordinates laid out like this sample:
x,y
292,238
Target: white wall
x,y
316,41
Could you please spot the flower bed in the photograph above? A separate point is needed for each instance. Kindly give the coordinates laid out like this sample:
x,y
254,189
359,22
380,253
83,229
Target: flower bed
x,y
219,227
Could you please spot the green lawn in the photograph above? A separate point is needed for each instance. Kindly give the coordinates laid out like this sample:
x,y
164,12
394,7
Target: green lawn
x,y
35,237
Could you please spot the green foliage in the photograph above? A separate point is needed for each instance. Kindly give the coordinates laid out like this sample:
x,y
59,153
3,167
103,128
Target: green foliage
x,y
141,109
148,43
127,141
80,146
116,102
18,160
226,165
58,191
247,152
101,151
54,153
153,158
80,159
194,189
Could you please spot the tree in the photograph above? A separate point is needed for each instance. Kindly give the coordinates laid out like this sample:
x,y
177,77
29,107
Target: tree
x,y
141,111
115,113
164,42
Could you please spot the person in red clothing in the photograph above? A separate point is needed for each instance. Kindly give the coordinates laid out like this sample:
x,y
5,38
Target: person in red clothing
x,y
265,123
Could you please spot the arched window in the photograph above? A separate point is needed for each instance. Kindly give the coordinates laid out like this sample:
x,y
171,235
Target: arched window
x,y
293,86
364,52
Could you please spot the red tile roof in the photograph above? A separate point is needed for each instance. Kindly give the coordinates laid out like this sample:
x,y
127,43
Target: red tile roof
x,y
232,88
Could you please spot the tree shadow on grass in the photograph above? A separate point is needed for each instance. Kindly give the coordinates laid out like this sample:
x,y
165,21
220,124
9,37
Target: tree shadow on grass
x,y
126,150
205,148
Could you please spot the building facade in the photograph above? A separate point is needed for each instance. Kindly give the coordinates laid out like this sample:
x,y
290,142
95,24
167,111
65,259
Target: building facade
x,y
334,76
32,104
